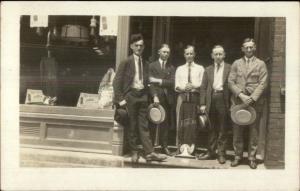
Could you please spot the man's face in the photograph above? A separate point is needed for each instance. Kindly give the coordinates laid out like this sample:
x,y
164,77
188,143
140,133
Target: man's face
x,y
164,53
137,47
249,49
218,55
189,55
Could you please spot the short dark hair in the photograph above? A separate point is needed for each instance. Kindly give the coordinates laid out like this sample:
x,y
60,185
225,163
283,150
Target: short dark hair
x,y
136,37
248,40
164,45
217,46
190,46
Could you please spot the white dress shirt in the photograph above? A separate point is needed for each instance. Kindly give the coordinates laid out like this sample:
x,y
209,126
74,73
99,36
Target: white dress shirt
x,y
218,77
181,75
161,63
137,83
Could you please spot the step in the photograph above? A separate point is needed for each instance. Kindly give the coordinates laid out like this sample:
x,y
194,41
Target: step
x,y
32,157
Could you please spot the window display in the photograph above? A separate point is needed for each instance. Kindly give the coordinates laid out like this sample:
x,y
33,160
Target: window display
x,y
67,58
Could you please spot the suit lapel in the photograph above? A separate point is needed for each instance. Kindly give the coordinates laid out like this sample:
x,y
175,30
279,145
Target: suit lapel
x,y
252,66
211,74
225,72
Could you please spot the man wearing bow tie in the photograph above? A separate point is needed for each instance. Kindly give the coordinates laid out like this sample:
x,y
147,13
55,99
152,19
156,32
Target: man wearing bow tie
x,y
247,82
161,77
131,91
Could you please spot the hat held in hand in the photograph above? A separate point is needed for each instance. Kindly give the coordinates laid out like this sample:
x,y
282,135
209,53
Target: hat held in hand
x,y
156,113
121,116
243,115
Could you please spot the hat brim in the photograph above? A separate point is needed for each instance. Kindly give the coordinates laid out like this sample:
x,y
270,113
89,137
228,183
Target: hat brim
x,y
241,107
121,116
160,109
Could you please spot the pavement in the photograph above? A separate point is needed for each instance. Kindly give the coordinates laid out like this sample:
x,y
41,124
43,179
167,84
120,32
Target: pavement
x,y
37,157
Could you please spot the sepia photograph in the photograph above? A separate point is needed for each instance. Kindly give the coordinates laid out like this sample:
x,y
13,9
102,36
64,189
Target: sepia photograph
x,y
133,94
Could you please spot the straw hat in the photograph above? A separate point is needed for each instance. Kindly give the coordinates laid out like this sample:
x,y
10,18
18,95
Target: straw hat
x,y
156,113
243,114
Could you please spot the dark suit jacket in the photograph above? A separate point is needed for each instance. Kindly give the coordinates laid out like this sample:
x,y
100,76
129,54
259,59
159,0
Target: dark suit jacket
x,y
168,81
124,78
206,88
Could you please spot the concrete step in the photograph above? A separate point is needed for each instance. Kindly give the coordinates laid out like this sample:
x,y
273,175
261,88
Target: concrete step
x,y
32,157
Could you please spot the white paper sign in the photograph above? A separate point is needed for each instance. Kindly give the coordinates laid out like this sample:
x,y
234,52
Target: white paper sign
x,y
39,21
108,26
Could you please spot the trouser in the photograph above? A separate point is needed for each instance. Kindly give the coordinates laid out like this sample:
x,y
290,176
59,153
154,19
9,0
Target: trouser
x,y
238,142
137,104
218,118
187,131
164,127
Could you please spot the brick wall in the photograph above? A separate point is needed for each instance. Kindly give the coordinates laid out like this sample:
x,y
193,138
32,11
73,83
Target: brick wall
x,y
276,118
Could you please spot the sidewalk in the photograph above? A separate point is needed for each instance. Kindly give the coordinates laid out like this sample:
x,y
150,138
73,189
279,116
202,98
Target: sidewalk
x,y
32,157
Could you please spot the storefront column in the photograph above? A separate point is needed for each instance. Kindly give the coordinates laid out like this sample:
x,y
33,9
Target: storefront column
x,y
122,39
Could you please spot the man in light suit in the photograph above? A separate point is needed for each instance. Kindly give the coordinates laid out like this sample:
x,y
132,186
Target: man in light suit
x,y
131,91
247,82
214,100
162,79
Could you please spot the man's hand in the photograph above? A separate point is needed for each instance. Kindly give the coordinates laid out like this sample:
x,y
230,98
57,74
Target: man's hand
x,y
155,100
202,108
246,99
122,103
188,87
155,80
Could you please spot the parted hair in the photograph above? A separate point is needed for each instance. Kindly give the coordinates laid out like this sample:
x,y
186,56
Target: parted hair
x,y
136,37
249,40
217,46
190,46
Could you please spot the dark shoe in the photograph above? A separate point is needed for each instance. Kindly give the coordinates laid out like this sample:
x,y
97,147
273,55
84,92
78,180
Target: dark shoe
x,y
166,151
207,156
135,157
252,164
155,157
221,159
235,162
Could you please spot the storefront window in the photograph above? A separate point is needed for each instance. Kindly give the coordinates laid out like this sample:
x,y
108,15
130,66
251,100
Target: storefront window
x,y
69,56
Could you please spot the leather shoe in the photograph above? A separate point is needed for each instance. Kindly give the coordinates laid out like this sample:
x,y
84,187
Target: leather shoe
x,y
155,157
166,151
252,164
221,159
235,162
135,157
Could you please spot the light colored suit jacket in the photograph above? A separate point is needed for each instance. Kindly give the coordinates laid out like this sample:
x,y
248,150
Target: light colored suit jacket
x,y
252,82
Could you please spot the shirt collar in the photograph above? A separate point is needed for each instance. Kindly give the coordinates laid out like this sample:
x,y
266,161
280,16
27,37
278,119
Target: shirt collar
x,y
136,57
250,59
221,64
161,61
192,64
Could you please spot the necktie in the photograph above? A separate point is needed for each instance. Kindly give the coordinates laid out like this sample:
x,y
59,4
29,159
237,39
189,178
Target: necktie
x,y
140,69
164,65
189,74
247,64
218,66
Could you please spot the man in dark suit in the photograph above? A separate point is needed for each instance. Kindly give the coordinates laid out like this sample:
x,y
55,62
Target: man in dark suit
x,y
247,81
131,91
214,99
161,77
